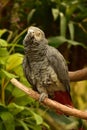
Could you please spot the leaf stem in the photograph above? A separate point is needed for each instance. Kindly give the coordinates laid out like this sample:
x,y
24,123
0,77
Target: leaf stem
x,y
3,86
2,91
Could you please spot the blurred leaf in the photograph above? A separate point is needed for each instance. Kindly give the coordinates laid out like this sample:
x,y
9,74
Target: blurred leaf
x,y
75,43
14,108
9,36
16,40
62,25
2,61
56,41
2,107
2,31
80,96
3,48
14,60
34,127
71,8
17,45
19,36
30,15
17,92
8,75
19,71
23,124
8,120
38,119
59,40
24,100
71,30
55,13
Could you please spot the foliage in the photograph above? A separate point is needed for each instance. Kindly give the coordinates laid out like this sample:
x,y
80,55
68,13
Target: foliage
x,y
14,112
61,21
64,22
17,111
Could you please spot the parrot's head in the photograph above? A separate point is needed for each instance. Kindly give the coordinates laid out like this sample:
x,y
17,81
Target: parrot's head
x,y
34,36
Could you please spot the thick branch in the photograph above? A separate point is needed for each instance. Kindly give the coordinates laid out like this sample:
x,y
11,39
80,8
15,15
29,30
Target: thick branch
x,y
78,75
51,103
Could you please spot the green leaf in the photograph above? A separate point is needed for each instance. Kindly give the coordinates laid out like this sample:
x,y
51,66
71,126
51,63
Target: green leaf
x,y
55,13
63,25
14,108
2,107
1,125
23,124
34,126
19,71
24,100
17,92
16,40
71,30
37,127
8,75
56,41
30,15
8,120
3,48
2,61
59,40
70,9
3,43
2,31
38,118
14,60
75,43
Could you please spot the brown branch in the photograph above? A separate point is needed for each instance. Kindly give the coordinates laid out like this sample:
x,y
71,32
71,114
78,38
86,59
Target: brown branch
x,y
51,103
78,75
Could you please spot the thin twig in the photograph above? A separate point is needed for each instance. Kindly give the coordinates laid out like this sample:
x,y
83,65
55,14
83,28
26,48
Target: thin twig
x,y
48,102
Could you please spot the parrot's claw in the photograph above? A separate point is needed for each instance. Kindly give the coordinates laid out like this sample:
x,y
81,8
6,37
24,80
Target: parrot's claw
x,y
42,97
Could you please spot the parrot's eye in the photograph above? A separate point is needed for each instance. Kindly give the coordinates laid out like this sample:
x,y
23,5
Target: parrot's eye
x,y
38,34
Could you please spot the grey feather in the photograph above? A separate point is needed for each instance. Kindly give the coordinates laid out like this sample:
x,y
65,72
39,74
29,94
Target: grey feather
x,y
44,67
57,61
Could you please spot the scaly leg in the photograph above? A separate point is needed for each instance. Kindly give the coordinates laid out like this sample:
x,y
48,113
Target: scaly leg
x,y
43,93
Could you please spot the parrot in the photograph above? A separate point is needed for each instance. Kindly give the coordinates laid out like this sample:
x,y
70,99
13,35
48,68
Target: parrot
x,y
45,68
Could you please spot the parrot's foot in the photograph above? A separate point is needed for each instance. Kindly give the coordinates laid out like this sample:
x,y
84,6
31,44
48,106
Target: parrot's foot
x,y
42,96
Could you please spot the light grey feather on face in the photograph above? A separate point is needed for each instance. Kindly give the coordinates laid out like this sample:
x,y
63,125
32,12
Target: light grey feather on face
x,y
35,35
36,32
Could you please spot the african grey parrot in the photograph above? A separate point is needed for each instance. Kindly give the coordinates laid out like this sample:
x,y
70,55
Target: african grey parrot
x,y
45,68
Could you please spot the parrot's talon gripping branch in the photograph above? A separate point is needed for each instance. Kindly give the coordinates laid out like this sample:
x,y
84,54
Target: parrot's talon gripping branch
x,y
42,97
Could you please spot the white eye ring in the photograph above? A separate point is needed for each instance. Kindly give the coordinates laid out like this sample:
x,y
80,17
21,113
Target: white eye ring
x,y
38,34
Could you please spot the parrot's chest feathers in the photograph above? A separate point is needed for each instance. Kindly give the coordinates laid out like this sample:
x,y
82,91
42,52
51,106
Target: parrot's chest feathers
x,y
40,72
43,75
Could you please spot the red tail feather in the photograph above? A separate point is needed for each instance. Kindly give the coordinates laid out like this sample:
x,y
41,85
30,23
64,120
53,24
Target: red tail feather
x,y
64,98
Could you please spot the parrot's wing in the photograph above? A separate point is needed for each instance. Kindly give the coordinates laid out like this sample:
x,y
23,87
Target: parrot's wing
x,y
27,71
57,61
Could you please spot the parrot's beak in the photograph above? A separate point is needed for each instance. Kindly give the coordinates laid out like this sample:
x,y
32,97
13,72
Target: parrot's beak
x,y
30,30
30,33
29,37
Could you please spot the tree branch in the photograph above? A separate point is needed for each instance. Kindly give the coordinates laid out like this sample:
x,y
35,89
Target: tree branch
x,y
51,103
78,75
